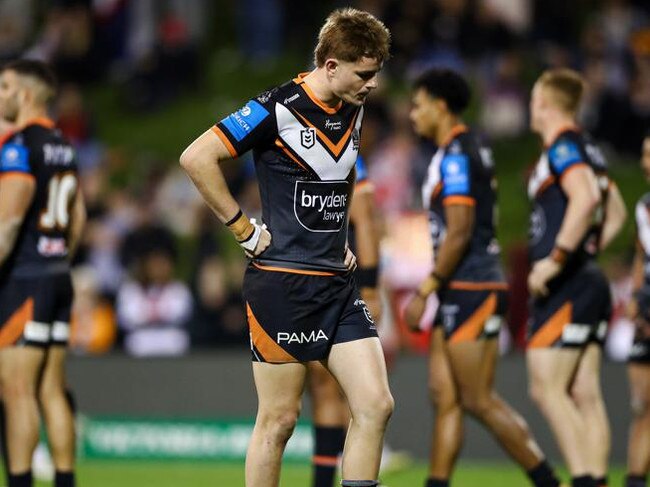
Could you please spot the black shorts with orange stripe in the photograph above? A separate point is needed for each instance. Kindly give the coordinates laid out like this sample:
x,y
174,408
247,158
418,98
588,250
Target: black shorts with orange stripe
x,y
575,313
472,314
35,311
297,316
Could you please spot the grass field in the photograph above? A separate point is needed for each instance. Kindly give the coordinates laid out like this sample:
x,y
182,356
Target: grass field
x,y
204,474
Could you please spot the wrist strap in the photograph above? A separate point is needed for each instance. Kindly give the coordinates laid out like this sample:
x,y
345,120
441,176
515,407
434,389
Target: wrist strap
x,y
367,276
560,255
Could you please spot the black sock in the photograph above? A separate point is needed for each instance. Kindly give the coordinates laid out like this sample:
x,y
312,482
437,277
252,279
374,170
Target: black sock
x,y
328,445
63,479
583,481
543,476
21,480
433,482
635,481
602,481
359,483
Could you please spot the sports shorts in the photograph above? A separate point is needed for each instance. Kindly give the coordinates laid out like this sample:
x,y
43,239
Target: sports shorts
x,y
296,316
35,311
469,315
575,313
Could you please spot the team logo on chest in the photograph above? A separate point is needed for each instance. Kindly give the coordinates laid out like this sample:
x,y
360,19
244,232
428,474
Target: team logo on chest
x,y
308,138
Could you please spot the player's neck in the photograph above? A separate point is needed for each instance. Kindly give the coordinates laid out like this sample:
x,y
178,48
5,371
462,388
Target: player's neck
x,y
317,82
556,126
446,128
29,113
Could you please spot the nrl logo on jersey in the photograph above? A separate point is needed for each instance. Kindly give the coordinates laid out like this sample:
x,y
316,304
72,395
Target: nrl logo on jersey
x,y
308,138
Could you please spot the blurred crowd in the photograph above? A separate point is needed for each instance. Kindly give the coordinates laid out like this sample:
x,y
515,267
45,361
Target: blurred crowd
x,y
155,274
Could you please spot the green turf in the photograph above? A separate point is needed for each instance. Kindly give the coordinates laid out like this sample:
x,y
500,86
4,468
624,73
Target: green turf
x,y
205,474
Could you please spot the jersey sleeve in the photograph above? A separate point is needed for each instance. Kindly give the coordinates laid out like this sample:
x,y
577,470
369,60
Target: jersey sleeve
x,y
15,158
362,172
563,155
251,126
456,180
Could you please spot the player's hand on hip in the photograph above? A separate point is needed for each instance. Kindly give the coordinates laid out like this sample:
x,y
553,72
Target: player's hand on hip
x,y
543,271
414,311
350,260
259,240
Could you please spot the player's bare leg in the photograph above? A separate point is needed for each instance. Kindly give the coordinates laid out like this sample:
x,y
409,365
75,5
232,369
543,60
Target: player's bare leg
x,y
57,413
19,369
360,369
550,374
329,406
474,364
330,415
638,450
587,396
447,436
279,390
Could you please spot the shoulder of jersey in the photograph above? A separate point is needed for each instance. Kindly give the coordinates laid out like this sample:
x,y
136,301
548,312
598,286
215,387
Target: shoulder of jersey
x,y
285,94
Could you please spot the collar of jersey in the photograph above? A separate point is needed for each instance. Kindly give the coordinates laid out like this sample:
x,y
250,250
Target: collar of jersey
x,y
456,130
569,127
46,122
300,80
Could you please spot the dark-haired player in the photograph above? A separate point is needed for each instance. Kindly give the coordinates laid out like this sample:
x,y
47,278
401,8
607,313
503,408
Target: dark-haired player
x,y
460,194
300,296
576,211
638,451
41,218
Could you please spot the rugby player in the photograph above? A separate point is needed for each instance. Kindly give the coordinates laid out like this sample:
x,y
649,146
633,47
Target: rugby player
x,y
330,412
460,194
41,219
576,211
301,300
638,453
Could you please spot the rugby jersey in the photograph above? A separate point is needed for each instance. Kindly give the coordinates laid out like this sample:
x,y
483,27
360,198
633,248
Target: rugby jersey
x,y
569,150
305,154
462,172
39,151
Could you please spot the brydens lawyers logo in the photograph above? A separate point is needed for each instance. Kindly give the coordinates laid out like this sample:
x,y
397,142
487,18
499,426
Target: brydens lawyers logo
x,y
308,138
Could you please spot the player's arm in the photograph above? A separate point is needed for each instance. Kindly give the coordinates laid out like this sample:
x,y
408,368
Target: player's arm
x,y
77,223
460,224
581,189
637,280
17,190
367,246
201,163
615,215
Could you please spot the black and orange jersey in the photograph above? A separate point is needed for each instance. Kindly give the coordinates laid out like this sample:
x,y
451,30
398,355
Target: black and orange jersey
x,y
305,154
462,172
569,150
40,152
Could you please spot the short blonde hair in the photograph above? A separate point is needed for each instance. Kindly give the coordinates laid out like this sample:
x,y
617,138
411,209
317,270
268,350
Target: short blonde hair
x,y
350,34
566,88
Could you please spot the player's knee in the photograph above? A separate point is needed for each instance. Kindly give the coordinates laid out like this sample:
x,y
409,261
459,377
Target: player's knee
x,y
585,394
640,407
442,397
477,405
17,389
278,426
538,393
375,411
